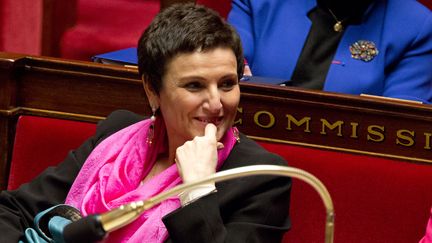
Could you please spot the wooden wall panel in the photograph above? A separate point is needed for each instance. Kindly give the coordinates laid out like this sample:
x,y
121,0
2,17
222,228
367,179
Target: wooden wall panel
x,y
90,91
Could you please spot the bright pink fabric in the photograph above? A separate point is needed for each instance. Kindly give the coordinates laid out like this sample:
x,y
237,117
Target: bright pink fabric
x,y
428,236
112,175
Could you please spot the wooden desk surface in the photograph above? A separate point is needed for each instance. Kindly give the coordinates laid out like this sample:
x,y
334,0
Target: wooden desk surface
x,y
89,91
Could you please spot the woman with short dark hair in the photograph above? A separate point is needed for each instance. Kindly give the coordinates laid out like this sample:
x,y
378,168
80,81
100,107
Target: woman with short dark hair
x,y
190,61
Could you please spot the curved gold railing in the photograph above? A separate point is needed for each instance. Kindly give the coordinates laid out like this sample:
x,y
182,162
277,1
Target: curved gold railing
x,y
125,214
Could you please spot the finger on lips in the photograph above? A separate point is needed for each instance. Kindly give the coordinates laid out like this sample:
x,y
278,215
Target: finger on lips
x,y
210,130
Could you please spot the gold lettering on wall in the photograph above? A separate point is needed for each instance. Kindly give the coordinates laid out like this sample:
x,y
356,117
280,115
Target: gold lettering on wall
x,y
298,123
375,133
239,121
428,140
270,116
325,124
354,126
405,137
303,123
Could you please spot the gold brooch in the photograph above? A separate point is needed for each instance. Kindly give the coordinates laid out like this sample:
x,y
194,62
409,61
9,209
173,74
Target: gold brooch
x,y
363,50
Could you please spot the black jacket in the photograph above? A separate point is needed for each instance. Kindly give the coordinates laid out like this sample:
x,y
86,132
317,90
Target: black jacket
x,y
248,209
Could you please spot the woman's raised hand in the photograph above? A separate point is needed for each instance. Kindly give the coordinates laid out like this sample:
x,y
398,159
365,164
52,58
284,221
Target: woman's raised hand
x,y
197,158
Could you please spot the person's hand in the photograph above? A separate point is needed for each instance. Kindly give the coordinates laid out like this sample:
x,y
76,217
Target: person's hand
x,y
197,158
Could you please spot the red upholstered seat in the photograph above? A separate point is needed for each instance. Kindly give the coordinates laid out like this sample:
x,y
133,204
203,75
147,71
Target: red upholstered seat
x,y
375,199
41,142
427,3
104,26
221,6
109,25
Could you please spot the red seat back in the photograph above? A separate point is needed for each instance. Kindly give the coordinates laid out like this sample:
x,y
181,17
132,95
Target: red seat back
x,y
427,3
221,6
105,26
41,142
375,199
102,23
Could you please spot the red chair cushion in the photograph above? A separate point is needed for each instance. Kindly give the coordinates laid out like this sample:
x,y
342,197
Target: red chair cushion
x,y
375,199
104,26
221,6
427,3
41,142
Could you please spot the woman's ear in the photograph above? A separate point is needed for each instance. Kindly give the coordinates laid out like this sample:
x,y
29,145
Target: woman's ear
x,y
151,94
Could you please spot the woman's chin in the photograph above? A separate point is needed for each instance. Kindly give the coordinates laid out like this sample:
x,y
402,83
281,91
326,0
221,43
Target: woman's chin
x,y
220,133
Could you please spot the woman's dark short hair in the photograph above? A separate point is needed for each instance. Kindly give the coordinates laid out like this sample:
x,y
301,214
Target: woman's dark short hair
x,y
183,28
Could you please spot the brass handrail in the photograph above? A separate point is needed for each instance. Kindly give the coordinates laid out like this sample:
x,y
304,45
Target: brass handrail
x,y
127,213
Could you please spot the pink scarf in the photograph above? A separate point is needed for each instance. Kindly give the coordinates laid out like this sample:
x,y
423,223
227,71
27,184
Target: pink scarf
x,y
428,236
112,174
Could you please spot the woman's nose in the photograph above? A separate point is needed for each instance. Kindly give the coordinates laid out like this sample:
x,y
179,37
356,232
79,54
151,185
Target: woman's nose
x,y
213,103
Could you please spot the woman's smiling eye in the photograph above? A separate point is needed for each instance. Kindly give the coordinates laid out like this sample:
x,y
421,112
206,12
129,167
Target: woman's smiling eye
x,y
193,86
228,84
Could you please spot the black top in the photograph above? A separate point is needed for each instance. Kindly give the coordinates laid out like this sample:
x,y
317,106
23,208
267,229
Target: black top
x,y
248,209
322,41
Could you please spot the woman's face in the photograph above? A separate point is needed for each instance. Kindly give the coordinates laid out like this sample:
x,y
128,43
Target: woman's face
x,y
199,88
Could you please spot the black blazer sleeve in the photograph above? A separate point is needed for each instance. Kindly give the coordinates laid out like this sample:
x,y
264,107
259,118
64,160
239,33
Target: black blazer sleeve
x,y
248,209
18,207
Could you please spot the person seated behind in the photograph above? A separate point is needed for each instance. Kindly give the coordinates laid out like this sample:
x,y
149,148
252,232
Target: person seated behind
x,y
190,61
376,47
